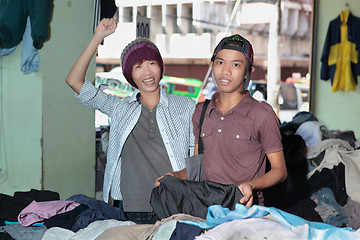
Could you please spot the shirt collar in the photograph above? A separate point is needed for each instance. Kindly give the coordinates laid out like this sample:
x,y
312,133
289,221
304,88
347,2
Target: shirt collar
x,y
243,107
163,96
212,104
134,96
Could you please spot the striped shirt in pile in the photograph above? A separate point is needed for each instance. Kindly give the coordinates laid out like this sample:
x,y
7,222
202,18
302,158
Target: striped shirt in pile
x,y
173,115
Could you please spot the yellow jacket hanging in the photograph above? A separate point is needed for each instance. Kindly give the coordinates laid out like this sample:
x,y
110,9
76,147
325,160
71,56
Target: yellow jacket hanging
x,y
340,57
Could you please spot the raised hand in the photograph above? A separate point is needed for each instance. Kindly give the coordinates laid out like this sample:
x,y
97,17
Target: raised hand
x,y
106,27
76,76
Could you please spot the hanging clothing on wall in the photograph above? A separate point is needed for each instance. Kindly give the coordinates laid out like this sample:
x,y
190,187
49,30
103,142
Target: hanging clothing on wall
x,y
340,60
12,22
27,21
30,57
13,17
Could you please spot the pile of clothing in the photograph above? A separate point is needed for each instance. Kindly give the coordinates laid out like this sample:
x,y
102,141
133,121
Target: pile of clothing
x,y
323,181
28,215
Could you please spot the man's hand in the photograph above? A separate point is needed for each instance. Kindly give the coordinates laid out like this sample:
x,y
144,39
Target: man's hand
x,y
105,28
182,174
157,183
247,190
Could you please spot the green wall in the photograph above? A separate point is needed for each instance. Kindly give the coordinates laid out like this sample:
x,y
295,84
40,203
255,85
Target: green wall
x,y
20,126
49,138
335,110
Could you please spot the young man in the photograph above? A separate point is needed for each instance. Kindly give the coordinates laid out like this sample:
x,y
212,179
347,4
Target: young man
x,y
238,132
151,131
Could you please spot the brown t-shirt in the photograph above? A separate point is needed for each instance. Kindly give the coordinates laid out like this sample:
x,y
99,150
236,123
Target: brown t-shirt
x,y
235,143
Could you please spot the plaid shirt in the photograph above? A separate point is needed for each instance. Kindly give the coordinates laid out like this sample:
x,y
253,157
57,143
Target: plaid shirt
x,y
174,114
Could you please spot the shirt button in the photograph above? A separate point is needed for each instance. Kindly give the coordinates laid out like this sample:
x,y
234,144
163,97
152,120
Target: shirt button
x,y
237,136
219,130
151,130
151,121
222,118
203,134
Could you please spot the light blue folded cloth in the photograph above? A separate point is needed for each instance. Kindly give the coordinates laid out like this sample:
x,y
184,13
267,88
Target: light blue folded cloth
x,y
30,59
306,229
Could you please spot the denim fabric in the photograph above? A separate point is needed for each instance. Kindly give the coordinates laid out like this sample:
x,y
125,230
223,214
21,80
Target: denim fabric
x,y
332,178
336,154
6,51
30,58
327,207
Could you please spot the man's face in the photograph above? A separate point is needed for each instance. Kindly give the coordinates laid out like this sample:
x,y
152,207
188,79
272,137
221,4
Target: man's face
x,y
146,75
229,68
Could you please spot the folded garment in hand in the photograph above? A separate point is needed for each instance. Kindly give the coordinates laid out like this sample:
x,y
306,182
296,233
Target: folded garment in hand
x,y
175,195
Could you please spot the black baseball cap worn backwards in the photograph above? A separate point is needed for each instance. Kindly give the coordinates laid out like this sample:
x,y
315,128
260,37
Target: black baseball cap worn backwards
x,y
242,45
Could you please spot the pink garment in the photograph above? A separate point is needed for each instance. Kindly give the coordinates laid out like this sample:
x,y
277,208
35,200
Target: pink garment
x,y
39,211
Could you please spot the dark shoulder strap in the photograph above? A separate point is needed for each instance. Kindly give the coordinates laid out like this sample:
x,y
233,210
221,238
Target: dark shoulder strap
x,y
200,144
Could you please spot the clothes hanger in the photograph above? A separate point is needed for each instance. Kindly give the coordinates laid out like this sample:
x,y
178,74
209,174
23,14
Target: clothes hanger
x,y
347,6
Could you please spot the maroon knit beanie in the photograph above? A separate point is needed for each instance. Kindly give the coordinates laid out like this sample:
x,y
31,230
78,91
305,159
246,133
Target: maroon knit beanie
x,y
138,50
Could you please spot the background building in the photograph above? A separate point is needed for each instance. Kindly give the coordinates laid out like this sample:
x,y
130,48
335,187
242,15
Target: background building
x,y
187,31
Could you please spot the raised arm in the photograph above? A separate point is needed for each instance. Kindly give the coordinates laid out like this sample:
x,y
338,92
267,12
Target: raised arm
x,y
75,78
